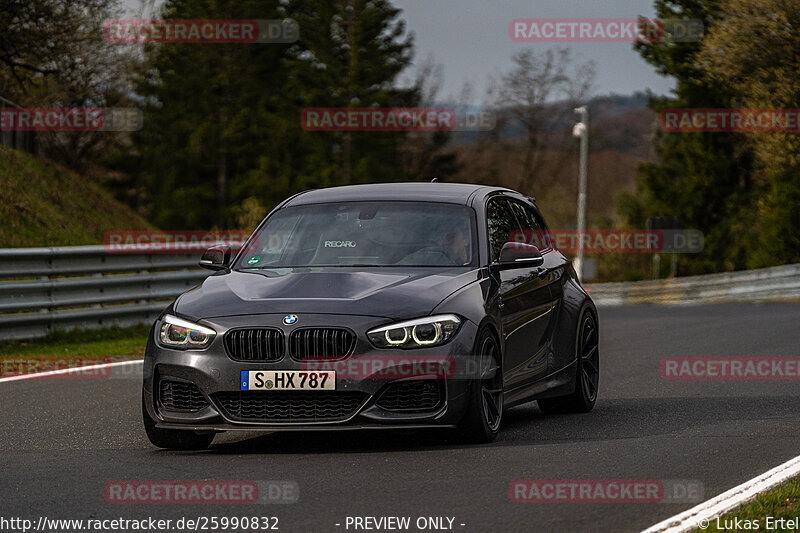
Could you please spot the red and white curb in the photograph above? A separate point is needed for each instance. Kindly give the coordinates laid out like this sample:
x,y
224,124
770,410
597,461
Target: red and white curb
x,y
704,514
117,366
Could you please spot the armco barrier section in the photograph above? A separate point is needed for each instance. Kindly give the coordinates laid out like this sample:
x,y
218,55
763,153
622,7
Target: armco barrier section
x,y
765,284
42,289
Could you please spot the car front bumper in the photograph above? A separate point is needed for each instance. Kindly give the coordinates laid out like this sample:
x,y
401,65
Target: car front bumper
x,y
367,378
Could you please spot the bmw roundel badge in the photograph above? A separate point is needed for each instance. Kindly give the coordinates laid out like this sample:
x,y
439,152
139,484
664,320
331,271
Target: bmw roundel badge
x,y
289,319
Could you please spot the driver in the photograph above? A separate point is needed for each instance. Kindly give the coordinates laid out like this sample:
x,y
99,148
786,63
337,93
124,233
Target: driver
x,y
453,240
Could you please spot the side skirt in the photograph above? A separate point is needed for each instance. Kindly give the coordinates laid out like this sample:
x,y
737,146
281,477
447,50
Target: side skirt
x,y
559,383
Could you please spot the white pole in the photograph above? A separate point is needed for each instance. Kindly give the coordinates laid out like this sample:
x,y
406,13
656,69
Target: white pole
x,y
581,130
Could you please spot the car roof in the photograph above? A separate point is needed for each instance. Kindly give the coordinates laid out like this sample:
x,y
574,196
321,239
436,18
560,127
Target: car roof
x,y
457,193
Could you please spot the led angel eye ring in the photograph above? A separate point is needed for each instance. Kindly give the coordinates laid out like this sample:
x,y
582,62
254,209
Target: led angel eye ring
x,y
396,342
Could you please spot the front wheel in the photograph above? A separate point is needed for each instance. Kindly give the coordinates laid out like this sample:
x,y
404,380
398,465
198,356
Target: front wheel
x,y
582,400
481,422
174,439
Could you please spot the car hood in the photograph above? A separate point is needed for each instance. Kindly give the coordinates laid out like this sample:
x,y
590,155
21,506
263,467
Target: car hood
x,y
387,292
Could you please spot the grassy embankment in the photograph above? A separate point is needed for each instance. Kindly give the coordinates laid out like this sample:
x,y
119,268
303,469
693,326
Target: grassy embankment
x,y
44,204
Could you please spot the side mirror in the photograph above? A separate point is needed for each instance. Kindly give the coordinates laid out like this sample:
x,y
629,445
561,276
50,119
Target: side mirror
x,y
519,255
216,258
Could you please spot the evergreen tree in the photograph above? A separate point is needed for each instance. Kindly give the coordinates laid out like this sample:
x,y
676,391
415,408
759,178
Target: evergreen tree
x,y
350,55
703,178
222,138
212,113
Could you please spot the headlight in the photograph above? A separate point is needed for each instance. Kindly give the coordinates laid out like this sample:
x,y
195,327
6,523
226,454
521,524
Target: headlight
x,y
182,334
419,333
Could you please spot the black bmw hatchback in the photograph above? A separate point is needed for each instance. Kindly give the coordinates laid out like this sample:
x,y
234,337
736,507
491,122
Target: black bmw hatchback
x,y
406,305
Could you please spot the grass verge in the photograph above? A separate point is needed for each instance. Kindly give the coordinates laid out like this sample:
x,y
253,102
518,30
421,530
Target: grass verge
x,y
115,343
780,503
45,204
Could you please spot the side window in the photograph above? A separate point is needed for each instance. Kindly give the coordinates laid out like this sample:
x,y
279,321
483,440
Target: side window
x,y
534,230
526,217
500,223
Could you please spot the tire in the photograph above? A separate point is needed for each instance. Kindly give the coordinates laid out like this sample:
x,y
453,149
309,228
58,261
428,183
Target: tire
x,y
174,439
587,378
481,422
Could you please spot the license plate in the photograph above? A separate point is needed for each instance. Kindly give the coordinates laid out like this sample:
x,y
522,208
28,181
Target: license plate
x,y
287,380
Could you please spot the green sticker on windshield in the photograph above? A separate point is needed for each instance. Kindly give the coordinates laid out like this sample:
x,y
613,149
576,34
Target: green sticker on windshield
x,y
253,260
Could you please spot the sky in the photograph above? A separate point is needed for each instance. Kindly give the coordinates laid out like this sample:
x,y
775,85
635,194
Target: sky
x,y
469,39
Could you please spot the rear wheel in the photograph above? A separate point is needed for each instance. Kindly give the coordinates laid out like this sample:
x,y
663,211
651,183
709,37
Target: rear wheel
x,y
174,439
481,422
588,372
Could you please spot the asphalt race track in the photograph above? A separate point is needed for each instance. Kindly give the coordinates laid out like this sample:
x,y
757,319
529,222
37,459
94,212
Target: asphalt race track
x,y
64,439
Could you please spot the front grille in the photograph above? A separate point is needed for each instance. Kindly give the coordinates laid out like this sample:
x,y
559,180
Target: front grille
x,y
418,395
181,396
254,344
321,343
289,406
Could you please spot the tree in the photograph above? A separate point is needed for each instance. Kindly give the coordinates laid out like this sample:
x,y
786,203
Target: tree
x,y
35,36
540,93
703,178
213,113
52,54
222,134
767,33
427,155
350,55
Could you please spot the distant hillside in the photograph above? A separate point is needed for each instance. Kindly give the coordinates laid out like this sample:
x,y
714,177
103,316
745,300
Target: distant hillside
x,y
43,204
621,130
621,123
556,184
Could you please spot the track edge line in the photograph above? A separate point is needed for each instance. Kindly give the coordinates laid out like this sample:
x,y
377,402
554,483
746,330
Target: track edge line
x,y
68,370
689,520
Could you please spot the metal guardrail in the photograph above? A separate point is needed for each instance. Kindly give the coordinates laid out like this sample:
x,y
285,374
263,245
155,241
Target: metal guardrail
x,y
765,284
42,289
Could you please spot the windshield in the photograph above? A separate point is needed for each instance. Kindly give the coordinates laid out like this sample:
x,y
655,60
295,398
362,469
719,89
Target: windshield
x,y
364,234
